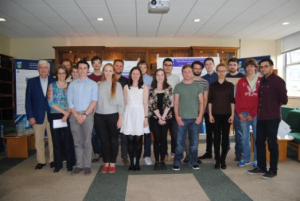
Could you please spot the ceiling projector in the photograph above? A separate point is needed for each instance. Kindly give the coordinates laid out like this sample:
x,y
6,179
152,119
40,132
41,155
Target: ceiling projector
x,y
158,6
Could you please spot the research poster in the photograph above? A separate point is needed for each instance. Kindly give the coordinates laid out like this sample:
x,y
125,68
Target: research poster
x,y
178,62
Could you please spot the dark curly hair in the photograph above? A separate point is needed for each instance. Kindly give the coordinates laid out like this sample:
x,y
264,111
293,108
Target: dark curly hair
x,y
154,83
130,81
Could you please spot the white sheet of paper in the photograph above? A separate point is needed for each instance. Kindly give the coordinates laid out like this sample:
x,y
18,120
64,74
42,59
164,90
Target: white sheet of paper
x,y
57,123
283,129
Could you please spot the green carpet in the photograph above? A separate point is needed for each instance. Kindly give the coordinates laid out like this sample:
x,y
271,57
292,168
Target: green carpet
x,y
215,183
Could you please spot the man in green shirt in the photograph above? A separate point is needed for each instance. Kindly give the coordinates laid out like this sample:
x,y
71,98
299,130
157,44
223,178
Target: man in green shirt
x,y
188,109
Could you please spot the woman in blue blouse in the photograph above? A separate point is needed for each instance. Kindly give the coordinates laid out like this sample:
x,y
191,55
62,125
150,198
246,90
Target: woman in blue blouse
x,y
61,137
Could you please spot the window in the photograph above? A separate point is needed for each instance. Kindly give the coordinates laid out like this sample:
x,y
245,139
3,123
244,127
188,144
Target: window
x,y
293,73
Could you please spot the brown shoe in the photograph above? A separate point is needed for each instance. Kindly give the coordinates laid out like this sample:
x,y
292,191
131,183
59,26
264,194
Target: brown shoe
x,y
125,160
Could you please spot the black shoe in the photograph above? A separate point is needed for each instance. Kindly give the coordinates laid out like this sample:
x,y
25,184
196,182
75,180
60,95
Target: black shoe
x,y
137,167
217,165
69,169
223,165
185,160
199,161
176,168
269,175
256,171
196,167
238,159
163,166
52,165
56,170
132,168
205,156
156,166
40,166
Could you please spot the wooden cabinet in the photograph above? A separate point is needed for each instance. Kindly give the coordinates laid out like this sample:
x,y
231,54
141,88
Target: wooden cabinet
x,y
150,54
7,103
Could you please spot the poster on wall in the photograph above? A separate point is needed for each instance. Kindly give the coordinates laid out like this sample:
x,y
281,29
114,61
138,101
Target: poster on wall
x,y
128,65
24,70
178,62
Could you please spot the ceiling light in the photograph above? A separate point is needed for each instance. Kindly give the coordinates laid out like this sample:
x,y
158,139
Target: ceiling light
x,y
100,19
197,20
2,20
285,23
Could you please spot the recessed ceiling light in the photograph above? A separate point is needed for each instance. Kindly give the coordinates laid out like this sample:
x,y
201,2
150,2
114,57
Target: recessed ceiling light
x,y
100,19
2,20
285,23
197,20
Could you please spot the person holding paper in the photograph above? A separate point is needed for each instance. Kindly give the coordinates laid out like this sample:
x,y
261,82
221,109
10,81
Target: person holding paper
x,y
82,100
221,113
272,95
108,117
246,99
37,110
59,123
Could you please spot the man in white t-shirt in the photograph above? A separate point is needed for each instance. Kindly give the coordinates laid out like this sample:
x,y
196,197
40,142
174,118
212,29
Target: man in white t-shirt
x,y
173,80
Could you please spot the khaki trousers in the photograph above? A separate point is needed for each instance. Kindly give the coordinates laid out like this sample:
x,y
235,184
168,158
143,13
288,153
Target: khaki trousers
x,y
39,134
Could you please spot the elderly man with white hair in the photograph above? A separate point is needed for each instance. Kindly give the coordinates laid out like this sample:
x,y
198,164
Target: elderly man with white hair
x,y
37,108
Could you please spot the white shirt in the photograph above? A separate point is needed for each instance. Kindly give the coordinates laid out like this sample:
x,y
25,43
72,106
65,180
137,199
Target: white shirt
x,y
44,84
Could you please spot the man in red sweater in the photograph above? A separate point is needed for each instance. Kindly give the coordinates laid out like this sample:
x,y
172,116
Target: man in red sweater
x,y
246,99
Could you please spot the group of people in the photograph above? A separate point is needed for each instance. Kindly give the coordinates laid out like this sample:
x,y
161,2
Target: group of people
x,y
100,107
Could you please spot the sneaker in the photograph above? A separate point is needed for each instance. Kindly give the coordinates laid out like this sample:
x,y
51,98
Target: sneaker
x,y
205,156
238,159
148,161
185,160
76,170
156,166
125,160
163,166
243,163
112,169
105,169
256,171
176,168
269,175
254,164
196,167
87,170
96,158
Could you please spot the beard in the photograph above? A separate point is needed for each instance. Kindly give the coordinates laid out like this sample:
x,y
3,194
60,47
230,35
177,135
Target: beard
x,y
197,74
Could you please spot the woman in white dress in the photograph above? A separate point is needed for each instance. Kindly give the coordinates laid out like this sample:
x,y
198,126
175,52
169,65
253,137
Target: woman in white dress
x,y
135,116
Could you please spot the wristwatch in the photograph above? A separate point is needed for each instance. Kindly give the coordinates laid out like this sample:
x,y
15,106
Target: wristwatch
x,y
84,114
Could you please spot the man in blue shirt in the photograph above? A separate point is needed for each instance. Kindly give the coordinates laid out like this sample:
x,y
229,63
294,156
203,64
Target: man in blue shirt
x,y
211,77
147,136
82,100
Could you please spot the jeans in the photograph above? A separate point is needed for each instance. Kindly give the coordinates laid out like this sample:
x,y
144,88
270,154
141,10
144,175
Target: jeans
x,y
172,126
95,142
192,129
238,136
267,130
245,128
221,132
187,143
209,134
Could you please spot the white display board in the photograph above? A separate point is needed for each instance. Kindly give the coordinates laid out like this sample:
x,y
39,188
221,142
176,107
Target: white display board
x,y
178,62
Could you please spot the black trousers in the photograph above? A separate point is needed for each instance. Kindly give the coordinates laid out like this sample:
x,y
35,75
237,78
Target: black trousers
x,y
134,145
221,134
160,139
209,134
172,126
267,130
63,145
106,129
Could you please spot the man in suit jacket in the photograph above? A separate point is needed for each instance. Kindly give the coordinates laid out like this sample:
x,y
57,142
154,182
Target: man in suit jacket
x,y
36,109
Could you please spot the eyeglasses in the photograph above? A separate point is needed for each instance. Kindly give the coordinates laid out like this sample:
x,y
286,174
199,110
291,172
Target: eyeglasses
x,y
61,73
265,66
168,65
222,71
